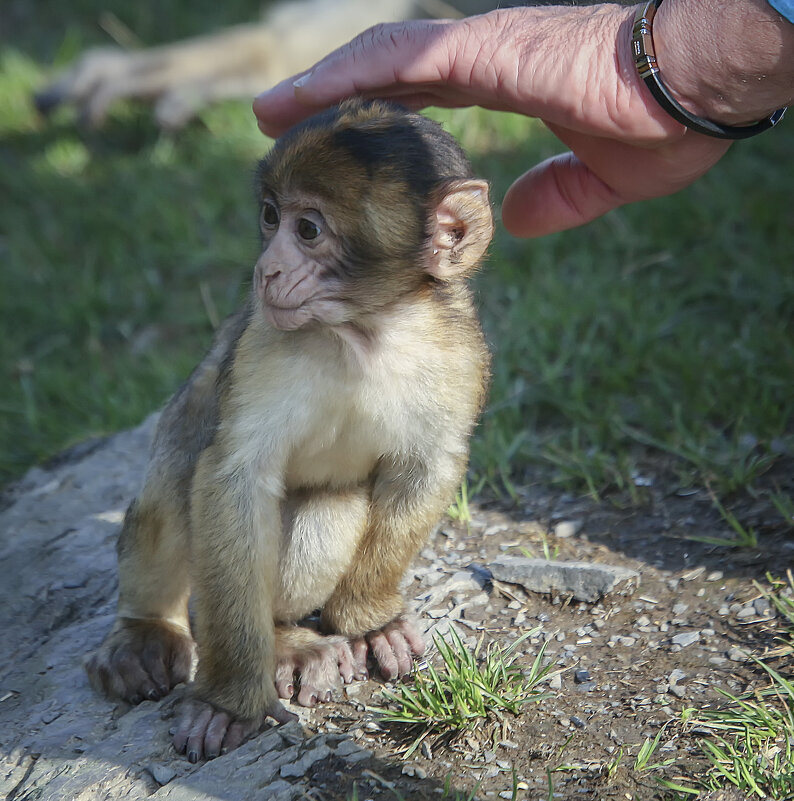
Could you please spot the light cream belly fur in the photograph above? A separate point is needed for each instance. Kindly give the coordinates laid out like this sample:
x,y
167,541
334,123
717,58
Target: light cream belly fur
x,y
324,511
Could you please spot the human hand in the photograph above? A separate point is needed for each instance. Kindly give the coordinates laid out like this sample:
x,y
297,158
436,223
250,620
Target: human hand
x,y
570,66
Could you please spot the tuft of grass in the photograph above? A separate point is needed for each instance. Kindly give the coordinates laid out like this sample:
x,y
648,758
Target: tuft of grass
x,y
781,596
549,553
749,740
459,510
745,537
649,747
467,688
784,504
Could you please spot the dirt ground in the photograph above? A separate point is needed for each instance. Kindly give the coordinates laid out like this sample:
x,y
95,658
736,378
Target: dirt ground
x,y
630,662
638,679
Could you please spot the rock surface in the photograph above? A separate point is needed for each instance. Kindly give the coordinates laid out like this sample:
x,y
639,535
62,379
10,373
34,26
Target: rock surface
x,y
583,581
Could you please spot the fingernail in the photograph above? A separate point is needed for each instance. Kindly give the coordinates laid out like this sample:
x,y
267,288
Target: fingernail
x,y
192,757
327,696
291,690
153,695
302,81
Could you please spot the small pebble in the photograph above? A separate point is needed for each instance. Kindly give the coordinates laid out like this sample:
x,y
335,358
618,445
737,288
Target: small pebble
x,y
676,676
737,655
686,638
162,774
567,528
762,606
746,612
581,676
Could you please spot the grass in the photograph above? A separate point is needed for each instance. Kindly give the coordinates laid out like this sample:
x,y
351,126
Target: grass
x,y
750,742
656,340
746,742
464,690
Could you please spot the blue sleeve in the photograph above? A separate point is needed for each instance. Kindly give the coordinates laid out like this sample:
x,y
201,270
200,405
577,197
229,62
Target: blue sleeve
x,y
784,7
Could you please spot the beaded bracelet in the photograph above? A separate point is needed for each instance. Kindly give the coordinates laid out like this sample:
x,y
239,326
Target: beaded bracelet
x,y
645,59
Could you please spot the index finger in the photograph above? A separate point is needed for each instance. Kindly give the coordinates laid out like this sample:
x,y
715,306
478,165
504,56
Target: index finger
x,y
388,60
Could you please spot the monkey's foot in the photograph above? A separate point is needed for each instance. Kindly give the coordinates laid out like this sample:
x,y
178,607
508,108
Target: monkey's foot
x,y
393,647
205,732
141,659
318,667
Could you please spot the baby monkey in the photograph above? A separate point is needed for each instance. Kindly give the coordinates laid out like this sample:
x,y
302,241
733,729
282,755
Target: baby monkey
x,y
309,455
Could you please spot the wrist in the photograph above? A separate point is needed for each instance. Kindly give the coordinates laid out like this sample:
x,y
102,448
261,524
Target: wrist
x,y
732,66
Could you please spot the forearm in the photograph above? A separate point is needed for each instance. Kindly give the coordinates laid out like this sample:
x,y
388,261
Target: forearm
x,y
732,63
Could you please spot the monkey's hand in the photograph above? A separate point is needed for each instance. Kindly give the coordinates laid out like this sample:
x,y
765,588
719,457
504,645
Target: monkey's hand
x,y
141,659
206,731
393,647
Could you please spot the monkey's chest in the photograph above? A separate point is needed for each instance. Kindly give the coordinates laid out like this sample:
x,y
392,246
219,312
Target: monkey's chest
x,y
339,449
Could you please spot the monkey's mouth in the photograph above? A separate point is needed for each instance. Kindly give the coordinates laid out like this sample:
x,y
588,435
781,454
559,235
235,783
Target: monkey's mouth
x,y
287,318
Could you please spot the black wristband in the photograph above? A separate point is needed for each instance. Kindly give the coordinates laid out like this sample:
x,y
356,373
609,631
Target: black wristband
x,y
645,59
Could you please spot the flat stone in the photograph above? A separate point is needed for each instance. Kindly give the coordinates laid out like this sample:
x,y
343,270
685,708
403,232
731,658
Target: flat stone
x,y
585,581
686,638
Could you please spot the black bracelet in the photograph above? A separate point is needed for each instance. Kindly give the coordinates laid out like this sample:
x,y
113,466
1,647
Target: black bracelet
x,y
645,59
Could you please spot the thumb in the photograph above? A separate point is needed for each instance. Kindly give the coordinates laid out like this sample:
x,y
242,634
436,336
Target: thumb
x,y
558,194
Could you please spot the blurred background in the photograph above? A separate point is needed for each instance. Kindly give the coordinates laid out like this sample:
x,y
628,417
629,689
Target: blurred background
x,y
649,349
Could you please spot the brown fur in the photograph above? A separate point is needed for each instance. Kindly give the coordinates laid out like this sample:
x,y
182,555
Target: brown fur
x,y
301,468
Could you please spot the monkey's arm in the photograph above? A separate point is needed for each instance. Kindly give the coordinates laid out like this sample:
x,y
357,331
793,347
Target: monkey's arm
x,y
409,496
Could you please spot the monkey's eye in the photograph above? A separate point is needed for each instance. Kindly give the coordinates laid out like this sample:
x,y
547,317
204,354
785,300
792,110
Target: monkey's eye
x,y
269,214
307,229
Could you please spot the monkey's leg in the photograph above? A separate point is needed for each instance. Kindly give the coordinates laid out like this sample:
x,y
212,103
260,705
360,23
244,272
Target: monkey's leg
x,y
322,530
408,499
149,649
235,533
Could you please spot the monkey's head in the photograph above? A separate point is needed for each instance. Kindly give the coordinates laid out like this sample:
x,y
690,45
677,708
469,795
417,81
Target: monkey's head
x,y
362,205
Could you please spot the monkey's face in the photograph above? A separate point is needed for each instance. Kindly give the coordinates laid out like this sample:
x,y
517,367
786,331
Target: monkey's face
x,y
295,277
361,206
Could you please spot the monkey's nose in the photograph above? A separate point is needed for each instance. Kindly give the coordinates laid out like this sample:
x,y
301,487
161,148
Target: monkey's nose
x,y
272,276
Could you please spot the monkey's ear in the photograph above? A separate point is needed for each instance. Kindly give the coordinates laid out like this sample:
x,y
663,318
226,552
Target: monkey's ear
x,y
462,227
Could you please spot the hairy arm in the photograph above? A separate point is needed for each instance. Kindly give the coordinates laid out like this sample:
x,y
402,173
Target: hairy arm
x,y
572,67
